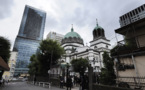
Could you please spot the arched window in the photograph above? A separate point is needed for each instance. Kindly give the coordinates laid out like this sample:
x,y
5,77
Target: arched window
x,y
97,59
99,32
103,33
94,34
95,47
106,46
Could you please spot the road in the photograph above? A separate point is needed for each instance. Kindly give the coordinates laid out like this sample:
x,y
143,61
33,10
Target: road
x,y
25,86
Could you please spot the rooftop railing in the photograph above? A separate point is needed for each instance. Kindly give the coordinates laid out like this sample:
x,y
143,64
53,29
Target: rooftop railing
x,y
129,45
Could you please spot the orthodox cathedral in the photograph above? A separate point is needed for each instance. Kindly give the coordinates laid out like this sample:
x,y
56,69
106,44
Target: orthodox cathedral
x,y
74,48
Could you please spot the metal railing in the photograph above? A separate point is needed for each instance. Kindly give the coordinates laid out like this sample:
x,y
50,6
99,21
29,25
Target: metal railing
x,y
133,82
130,45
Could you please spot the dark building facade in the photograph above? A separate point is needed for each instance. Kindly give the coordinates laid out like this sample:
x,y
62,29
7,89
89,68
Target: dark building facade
x,y
29,36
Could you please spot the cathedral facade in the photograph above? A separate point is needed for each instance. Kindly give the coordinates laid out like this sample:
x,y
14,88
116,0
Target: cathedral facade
x,y
74,48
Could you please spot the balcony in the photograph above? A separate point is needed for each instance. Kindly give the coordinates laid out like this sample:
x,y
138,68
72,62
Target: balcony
x,y
128,46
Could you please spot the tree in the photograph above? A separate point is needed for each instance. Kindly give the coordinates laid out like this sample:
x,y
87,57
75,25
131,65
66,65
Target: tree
x,y
34,65
107,75
49,53
4,51
80,65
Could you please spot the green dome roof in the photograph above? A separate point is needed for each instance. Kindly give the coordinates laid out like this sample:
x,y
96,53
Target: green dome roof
x,y
72,34
98,27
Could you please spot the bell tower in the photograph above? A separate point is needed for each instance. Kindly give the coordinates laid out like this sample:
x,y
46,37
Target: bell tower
x,y
99,41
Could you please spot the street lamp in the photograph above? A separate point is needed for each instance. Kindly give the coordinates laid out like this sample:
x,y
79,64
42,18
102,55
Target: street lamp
x,y
63,65
67,73
66,65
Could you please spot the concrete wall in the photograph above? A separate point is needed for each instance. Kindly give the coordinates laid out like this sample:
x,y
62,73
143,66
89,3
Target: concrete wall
x,y
127,72
105,87
141,40
140,64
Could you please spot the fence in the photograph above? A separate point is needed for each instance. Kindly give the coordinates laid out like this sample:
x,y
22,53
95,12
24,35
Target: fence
x,y
133,82
105,87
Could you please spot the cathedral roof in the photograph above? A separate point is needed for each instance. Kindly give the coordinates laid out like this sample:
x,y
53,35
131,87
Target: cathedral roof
x,y
72,37
98,32
72,34
98,27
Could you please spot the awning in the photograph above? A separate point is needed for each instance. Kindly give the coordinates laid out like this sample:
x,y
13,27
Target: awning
x,y
3,65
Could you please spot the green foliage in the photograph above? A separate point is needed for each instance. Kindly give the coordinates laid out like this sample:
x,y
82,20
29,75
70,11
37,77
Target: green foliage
x,y
107,75
78,63
4,51
114,50
125,45
49,53
34,65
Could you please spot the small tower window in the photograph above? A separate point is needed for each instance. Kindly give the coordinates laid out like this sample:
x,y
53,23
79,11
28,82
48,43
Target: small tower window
x,y
97,59
94,60
106,46
99,32
95,47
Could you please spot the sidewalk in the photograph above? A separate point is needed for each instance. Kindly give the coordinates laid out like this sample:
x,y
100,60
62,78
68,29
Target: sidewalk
x,y
57,87
26,86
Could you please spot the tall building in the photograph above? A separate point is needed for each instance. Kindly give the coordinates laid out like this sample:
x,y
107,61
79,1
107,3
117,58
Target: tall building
x,y
29,36
12,63
133,16
55,36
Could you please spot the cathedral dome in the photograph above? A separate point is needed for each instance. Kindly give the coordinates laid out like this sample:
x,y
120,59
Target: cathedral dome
x,y
72,37
72,34
98,27
98,32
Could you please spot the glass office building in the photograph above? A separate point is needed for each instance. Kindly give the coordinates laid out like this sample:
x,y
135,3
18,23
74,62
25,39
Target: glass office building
x,y
29,36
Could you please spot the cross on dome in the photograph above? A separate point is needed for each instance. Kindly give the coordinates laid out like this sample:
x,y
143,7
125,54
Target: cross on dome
x,y
96,22
72,28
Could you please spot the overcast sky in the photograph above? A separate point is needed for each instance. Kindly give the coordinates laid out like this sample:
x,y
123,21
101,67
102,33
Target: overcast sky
x,y
62,13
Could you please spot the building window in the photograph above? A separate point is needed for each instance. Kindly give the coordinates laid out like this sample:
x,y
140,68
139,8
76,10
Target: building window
x,y
139,9
93,60
136,11
97,59
133,12
123,17
126,16
144,5
95,47
106,46
142,8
